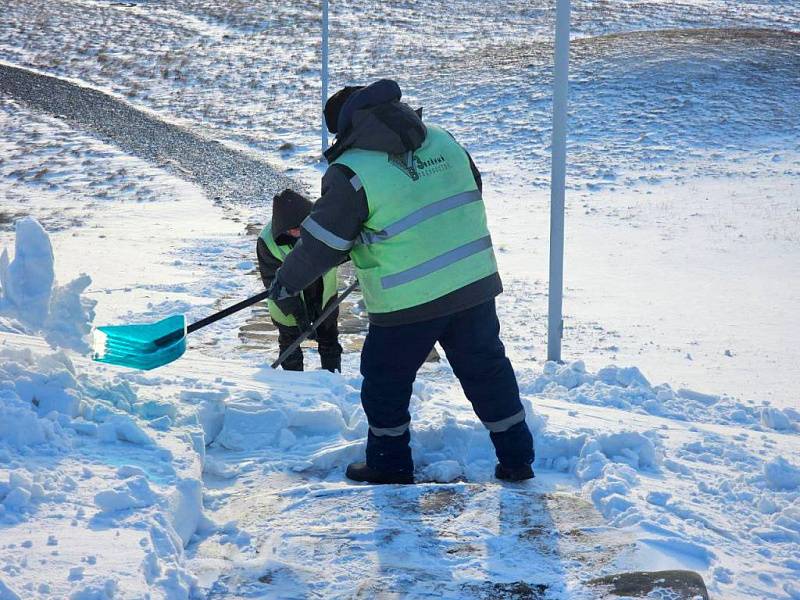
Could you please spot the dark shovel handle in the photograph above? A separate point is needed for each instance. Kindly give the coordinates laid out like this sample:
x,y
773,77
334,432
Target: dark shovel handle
x,y
304,336
177,335
228,311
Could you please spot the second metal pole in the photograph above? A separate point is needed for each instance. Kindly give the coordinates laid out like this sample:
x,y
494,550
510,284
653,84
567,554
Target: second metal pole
x,y
324,72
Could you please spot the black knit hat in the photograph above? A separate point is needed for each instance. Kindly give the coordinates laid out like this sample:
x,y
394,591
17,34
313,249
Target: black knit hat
x,y
334,106
288,210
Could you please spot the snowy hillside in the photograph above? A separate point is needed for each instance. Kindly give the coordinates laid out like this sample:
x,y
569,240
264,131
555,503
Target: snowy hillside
x,y
215,477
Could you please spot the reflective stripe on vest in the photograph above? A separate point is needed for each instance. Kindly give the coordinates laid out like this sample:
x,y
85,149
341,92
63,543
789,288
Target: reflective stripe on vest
x,y
329,282
418,216
328,238
425,235
436,263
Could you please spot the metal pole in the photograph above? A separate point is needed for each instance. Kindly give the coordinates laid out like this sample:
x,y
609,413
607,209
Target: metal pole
x,y
555,321
324,72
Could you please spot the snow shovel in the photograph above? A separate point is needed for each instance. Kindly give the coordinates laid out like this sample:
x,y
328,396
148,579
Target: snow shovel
x,y
146,346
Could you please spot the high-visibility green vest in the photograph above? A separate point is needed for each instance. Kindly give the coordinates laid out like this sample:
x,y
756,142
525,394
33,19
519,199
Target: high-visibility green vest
x,y
426,232
281,252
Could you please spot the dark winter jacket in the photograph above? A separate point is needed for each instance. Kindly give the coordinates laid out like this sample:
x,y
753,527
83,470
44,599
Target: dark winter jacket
x,y
386,126
288,211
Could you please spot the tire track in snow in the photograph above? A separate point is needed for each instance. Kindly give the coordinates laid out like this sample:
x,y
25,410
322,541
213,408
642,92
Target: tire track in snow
x,y
227,175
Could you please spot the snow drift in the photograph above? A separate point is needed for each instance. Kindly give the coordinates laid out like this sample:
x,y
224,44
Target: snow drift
x,y
30,300
111,482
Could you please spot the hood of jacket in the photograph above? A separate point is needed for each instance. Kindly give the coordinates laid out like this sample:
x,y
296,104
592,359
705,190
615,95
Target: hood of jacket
x,y
288,210
373,118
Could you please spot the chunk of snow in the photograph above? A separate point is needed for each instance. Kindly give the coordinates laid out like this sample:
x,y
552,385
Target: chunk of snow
x,y
126,471
65,402
211,413
128,431
69,322
658,498
19,425
161,423
111,500
286,439
706,399
322,418
250,428
17,479
443,471
775,418
134,493
83,427
27,281
631,448
17,499
590,466
780,474
186,508
28,293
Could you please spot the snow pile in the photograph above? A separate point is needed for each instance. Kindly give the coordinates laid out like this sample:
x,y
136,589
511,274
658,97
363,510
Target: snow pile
x,y
319,426
111,481
30,302
626,388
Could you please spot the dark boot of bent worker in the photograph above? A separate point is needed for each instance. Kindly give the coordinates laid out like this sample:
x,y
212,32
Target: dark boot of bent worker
x,y
330,350
286,337
520,473
331,362
360,471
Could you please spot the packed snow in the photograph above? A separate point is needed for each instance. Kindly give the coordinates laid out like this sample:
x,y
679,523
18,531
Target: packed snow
x,y
217,477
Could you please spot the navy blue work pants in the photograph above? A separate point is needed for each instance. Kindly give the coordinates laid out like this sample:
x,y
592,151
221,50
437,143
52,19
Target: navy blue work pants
x,y
471,340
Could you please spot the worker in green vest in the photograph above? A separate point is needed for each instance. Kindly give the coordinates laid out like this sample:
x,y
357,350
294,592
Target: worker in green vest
x,y
403,200
293,315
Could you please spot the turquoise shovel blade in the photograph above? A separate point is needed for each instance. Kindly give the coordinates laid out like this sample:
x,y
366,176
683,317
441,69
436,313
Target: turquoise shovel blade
x,y
141,346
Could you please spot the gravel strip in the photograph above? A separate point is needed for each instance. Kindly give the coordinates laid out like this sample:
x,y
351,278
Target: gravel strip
x,y
227,175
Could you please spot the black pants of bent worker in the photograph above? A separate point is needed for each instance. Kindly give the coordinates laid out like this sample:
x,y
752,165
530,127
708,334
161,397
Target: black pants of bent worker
x,y
327,336
471,340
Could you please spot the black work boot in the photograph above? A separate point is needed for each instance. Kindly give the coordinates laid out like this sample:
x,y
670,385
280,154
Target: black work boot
x,y
520,473
331,362
360,471
293,362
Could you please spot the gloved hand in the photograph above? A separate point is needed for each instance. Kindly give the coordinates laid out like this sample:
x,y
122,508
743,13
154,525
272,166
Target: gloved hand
x,y
277,292
291,305
304,321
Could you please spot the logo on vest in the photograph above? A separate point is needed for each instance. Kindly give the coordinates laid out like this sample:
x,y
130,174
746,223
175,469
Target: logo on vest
x,y
416,168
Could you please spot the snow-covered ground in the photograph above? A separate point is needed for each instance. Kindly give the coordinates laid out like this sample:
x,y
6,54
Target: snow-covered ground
x,y
216,477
